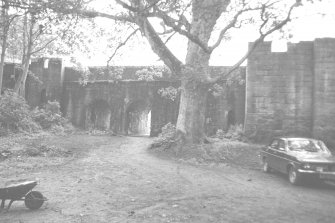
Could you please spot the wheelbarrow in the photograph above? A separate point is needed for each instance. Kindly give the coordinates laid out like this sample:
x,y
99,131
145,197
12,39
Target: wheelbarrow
x,y
22,191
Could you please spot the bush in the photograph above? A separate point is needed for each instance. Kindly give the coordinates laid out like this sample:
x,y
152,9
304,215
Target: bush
x,y
166,138
50,116
15,114
234,133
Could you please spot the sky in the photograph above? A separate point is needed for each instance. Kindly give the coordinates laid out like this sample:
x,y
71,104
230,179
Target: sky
x,y
308,26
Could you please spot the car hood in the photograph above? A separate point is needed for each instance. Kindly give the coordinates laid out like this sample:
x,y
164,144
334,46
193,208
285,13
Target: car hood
x,y
314,157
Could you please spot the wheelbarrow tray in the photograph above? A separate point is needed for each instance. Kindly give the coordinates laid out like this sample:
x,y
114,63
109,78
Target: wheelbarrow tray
x,y
16,191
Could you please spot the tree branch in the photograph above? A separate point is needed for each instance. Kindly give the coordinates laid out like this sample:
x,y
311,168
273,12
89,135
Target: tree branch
x,y
44,46
158,46
231,24
176,25
256,43
121,44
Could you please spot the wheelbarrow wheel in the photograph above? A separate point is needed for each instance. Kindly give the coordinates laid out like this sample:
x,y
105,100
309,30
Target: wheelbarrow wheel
x,y
34,200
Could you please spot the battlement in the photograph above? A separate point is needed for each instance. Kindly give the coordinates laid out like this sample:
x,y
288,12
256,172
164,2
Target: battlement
x,y
292,92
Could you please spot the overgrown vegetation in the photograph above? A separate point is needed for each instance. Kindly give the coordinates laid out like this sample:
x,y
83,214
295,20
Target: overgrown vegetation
x,y
16,115
234,133
226,147
166,138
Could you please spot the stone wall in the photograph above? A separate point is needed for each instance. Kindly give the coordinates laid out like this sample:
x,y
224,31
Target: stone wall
x,y
291,93
119,96
324,90
50,84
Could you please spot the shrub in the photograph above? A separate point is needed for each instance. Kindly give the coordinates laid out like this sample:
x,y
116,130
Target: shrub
x,y
15,114
50,116
166,138
234,133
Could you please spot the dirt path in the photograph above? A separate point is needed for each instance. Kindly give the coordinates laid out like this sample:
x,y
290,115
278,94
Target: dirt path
x,y
119,181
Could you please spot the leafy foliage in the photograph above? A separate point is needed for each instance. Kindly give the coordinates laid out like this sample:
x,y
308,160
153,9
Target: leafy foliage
x,y
149,74
234,133
166,138
15,114
49,116
170,93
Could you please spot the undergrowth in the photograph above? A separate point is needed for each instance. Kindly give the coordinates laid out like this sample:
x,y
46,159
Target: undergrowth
x,y
229,147
16,116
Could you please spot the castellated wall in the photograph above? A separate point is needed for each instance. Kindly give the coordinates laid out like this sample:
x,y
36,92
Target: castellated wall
x,y
324,89
293,92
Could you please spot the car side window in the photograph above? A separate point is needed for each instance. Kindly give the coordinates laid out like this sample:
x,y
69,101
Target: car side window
x,y
281,145
274,144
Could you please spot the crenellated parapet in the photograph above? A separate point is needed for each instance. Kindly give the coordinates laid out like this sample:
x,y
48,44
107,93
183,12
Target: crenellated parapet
x,y
292,92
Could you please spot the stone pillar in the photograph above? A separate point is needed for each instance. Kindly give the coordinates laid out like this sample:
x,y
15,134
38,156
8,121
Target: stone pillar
x,y
324,90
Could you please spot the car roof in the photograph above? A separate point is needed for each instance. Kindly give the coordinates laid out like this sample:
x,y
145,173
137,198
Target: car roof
x,y
294,138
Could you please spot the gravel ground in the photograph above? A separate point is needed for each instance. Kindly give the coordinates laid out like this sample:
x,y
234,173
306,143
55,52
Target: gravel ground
x,y
116,179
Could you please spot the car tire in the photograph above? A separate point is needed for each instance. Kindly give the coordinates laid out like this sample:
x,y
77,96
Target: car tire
x,y
266,168
294,176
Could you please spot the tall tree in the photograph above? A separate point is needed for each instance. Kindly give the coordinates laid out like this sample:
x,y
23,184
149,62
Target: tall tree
x,y
35,31
205,23
6,20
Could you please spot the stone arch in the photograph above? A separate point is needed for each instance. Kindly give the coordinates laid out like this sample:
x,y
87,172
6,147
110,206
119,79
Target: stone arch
x,y
138,118
98,115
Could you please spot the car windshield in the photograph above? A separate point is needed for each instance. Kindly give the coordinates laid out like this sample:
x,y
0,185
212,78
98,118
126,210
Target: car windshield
x,y
308,145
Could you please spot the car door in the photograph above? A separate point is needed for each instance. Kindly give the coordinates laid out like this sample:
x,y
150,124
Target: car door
x,y
281,156
271,154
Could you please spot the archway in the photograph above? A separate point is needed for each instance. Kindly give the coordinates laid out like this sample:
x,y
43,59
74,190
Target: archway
x,y
98,115
138,118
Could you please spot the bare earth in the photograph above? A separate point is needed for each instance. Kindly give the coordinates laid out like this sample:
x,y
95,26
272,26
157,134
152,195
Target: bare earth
x,y
116,179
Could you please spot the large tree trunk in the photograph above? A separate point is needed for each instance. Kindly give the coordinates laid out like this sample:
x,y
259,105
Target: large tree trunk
x,y
192,109
196,76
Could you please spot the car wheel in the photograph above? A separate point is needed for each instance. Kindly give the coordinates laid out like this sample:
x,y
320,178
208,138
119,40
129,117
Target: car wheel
x,y
294,176
266,168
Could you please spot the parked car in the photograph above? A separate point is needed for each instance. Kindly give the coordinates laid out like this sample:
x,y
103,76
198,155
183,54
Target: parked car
x,y
299,158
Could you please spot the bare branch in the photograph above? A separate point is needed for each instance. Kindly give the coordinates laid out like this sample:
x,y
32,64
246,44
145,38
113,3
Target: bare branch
x,y
256,43
177,26
169,38
44,46
232,24
121,44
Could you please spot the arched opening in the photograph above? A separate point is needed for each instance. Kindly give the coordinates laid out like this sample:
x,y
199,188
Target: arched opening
x,y
138,119
98,115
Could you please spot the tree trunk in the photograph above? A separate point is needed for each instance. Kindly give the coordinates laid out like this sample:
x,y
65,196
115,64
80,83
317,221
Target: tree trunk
x,y
192,109
2,62
5,26
195,78
21,82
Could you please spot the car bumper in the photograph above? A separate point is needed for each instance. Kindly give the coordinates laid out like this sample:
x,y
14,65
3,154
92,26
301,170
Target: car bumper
x,y
322,175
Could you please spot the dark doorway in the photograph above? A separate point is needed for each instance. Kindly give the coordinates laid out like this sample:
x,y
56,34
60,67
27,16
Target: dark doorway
x,y
99,114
